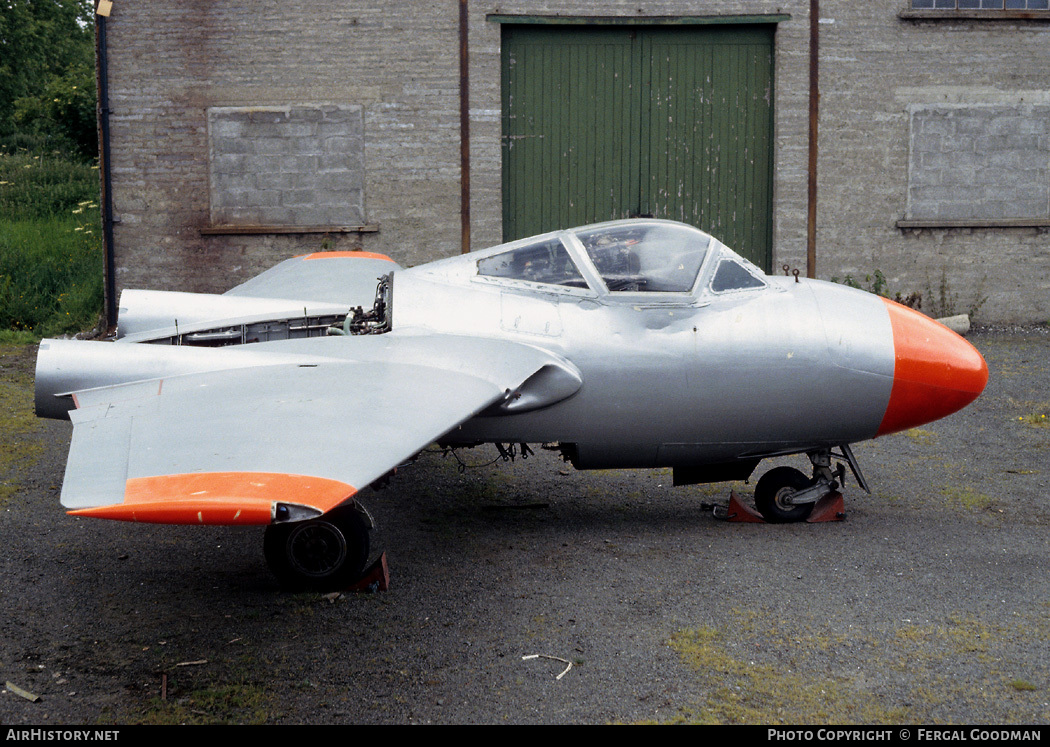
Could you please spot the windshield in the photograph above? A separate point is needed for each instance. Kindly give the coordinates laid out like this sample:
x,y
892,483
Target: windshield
x,y
646,256
542,262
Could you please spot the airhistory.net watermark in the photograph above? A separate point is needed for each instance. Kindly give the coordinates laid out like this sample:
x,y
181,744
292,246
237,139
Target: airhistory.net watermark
x,y
60,735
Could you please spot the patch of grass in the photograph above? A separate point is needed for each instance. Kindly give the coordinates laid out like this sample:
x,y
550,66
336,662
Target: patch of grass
x,y
1035,419
20,445
50,246
921,436
239,703
966,498
959,635
41,187
940,672
1022,685
17,337
740,691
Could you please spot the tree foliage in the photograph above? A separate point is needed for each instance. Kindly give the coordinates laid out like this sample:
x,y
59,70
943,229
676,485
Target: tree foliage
x,y
47,81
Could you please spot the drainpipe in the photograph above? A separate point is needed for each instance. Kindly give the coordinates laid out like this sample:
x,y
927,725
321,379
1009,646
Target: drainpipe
x,y
464,131
102,81
814,108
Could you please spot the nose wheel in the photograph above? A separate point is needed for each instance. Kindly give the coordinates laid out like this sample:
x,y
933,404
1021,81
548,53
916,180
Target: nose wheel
x,y
775,493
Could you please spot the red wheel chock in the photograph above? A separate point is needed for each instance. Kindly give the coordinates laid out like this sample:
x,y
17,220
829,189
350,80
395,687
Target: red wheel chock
x,y
829,508
376,578
738,511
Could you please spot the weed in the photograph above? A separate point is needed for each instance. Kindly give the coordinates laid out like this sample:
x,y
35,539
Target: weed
x,y
1022,685
945,302
16,337
940,302
1035,420
876,283
42,187
1038,418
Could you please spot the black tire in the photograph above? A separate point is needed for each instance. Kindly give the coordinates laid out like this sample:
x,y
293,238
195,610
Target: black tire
x,y
323,554
771,491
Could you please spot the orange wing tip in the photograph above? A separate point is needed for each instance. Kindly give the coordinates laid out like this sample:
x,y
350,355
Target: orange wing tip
x,y
339,255
226,498
216,512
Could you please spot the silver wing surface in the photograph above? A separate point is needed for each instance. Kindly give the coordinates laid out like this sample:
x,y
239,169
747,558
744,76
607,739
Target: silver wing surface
x,y
332,277
312,286
289,436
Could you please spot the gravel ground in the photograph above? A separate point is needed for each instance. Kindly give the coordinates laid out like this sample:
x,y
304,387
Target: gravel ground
x,y
928,604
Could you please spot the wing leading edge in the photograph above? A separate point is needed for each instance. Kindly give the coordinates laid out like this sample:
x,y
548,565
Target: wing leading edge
x,y
287,441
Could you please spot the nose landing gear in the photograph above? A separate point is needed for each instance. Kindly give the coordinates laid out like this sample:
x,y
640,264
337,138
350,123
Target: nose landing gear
x,y
785,495
781,495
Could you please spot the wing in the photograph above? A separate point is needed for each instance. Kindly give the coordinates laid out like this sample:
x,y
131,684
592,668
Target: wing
x,y
332,277
313,286
283,440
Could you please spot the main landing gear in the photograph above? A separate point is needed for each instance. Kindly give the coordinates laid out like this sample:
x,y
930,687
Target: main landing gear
x,y
323,554
784,494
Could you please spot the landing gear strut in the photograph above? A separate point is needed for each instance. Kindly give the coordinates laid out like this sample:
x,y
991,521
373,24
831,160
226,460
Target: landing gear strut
x,y
323,554
784,494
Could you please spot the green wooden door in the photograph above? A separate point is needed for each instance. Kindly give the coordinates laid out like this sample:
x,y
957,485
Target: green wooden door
x,y
673,122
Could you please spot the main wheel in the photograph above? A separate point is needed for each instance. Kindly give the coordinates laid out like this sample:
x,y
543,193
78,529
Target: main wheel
x,y
773,493
323,554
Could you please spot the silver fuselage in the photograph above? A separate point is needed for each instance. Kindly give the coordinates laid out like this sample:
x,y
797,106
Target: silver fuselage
x,y
695,378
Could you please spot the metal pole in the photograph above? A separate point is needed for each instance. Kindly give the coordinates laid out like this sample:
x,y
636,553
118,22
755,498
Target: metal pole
x,y
814,108
102,79
464,130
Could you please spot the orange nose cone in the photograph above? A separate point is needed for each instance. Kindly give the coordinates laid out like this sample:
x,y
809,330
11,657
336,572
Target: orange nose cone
x,y
936,371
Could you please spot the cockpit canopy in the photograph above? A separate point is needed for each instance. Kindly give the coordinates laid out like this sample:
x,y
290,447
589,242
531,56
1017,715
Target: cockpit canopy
x,y
636,256
658,257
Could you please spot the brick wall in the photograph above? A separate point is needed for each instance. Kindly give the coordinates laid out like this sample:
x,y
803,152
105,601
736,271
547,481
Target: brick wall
x,y
286,166
170,64
981,162
876,71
